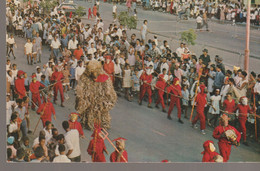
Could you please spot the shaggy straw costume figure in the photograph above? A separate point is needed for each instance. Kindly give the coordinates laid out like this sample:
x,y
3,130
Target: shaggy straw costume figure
x,y
95,96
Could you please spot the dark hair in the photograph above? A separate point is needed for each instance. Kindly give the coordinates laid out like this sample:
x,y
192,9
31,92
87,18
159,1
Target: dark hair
x,y
65,125
60,137
232,80
47,123
229,72
43,76
20,153
61,148
39,152
41,138
244,73
145,21
25,138
53,130
253,74
13,117
9,153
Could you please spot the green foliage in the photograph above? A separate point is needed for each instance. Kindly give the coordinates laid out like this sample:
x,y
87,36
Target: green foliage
x,y
80,11
126,20
47,5
189,37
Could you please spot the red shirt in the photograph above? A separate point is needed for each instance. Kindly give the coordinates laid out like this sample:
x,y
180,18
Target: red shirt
x,y
76,125
57,76
109,68
19,87
113,156
219,130
229,106
78,53
201,101
48,111
174,89
99,149
34,87
161,82
243,111
147,78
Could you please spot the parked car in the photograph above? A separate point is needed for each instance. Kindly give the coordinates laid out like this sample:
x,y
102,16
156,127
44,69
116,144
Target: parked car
x,y
69,7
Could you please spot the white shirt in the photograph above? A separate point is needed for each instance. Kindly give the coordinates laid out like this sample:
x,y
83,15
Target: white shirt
x,y
257,88
179,51
28,47
48,135
9,111
78,72
72,44
10,79
12,127
199,19
61,159
73,63
117,69
55,44
114,8
38,76
11,41
72,141
92,51
166,66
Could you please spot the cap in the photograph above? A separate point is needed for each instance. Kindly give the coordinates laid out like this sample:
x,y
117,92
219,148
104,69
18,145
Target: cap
x,y
10,140
205,50
235,68
20,72
119,138
38,67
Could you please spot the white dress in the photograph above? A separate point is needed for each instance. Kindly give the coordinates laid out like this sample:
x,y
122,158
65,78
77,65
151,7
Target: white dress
x,y
215,103
211,81
127,79
144,31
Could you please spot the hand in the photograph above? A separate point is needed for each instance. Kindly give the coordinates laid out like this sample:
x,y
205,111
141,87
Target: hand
x,y
83,137
54,117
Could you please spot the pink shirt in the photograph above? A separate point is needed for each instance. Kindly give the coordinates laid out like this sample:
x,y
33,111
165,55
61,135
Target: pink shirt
x,y
13,151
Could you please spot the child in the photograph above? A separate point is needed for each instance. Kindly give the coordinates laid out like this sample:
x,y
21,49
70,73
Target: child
x,y
185,100
215,108
136,83
66,81
199,22
191,76
34,50
26,83
26,105
28,51
185,82
211,77
127,81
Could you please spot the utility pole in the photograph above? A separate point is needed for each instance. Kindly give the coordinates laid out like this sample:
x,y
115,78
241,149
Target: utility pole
x,y
246,62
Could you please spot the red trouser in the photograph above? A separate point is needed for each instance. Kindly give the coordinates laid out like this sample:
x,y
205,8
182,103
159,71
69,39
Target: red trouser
x,y
175,100
200,116
145,89
89,15
59,87
44,120
224,150
160,98
36,100
242,127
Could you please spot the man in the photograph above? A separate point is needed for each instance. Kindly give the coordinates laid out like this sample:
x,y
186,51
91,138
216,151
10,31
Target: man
x,y
109,67
78,52
201,102
56,47
79,71
160,85
28,51
19,85
205,57
209,153
175,90
225,143
243,110
122,156
62,158
74,124
219,78
219,62
92,49
72,44
38,42
56,78
39,154
165,65
46,110
48,131
146,79
205,20
180,50
96,147
21,110
72,142
34,88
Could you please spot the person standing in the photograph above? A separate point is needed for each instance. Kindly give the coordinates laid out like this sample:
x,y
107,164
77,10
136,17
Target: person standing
x,y
128,4
146,79
19,84
11,43
144,30
57,77
214,109
34,88
175,90
114,12
96,147
72,142
209,153
38,42
127,81
56,47
109,67
74,124
224,142
28,51
201,102
160,85
122,155
21,112
205,20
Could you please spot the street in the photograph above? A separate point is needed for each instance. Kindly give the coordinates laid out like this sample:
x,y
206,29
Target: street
x,y
151,137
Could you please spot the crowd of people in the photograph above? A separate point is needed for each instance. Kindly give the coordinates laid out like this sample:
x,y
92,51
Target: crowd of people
x,y
139,67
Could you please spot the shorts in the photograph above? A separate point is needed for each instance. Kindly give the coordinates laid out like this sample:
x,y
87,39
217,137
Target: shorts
x,y
66,84
34,53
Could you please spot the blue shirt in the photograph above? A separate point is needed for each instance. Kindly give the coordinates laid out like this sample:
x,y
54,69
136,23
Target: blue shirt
x,y
219,79
46,83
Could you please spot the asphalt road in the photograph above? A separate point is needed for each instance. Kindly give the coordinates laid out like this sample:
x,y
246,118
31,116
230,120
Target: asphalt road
x,y
151,137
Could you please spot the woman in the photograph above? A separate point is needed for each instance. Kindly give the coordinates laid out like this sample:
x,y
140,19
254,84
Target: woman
x,y
127,81
131,55
222,14
144,30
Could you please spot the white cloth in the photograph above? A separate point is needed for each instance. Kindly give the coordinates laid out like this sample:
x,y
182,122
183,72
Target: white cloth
x,y
55,44
179,51
257,88
9,110
215,101
72,44
12,127
11,40
28,48
48,135
224,91
72,141
61,159
38,76
78,72
166,66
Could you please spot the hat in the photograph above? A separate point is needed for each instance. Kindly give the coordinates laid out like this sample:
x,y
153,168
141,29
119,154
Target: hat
x,y
205,50
119,138
224,117
10,140
235,68
38,67
202,88
34,77
20,72
97,131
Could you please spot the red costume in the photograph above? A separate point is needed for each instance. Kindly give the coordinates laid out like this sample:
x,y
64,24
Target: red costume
x,y
109,68
47,109
223,143
242,117
146,87
229,106
89,13
74,124
114,155
97,144
201,102
95,11
175,89
160,85
19,85
34,88
57,77
208,154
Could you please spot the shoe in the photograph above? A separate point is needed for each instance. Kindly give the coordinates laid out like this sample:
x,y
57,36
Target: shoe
x,y
29,131
169,117
179,120
140,103
157,106
194,126
62,105
245,143
164,111
203,132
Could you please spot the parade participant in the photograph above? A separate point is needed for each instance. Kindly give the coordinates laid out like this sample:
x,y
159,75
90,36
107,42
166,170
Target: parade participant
x,y
201,102
109,67
160,85
46,110
175,90
146,79
21,113
56,78
96,147
243,109
19,84
74,124
120,145
34,88
209,153
226,140
229,106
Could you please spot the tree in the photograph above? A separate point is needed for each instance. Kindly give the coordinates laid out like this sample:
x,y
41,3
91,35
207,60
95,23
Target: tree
x,y
47,5
127,21
80,11
189,36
